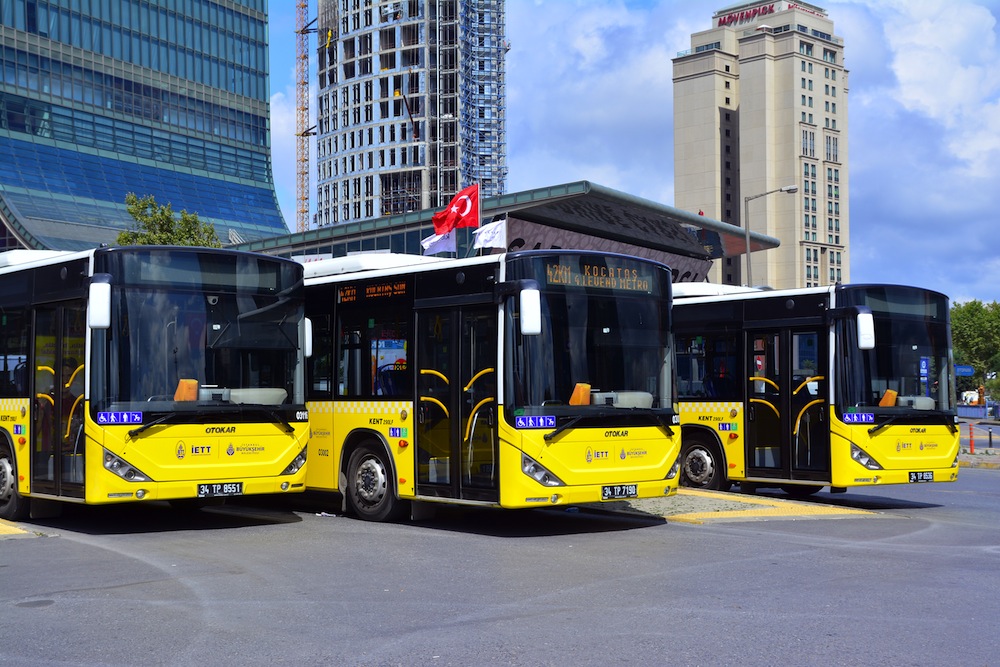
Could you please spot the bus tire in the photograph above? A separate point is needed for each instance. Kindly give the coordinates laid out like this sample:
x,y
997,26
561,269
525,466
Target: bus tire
x,y
370,491
13,506
702,466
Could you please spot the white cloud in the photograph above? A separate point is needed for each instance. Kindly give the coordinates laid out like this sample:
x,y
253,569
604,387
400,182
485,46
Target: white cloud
x,y
943,54
600,110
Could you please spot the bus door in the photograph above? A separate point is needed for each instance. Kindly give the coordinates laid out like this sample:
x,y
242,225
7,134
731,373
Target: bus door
x,y
456,409
57,422
787,434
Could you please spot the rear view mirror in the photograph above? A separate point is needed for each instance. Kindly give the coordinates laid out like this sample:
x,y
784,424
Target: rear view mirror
x,y
531,312
866,331
307,337
99,308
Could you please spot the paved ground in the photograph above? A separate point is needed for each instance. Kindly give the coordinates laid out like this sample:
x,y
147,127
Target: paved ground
x,y
697,507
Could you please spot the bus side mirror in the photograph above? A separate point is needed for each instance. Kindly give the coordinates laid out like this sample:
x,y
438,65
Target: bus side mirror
x,y
307,337
531,312
866,331
99,308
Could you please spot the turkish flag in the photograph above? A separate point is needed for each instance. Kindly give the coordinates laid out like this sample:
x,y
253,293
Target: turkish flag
x,y
462,211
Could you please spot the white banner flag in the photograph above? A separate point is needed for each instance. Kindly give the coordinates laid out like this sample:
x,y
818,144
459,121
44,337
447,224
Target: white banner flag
x,y
493,235
436,243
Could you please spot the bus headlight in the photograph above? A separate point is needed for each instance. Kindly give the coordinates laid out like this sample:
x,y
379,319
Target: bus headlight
x,y
296,463
123,468
538,472
864,458
675,468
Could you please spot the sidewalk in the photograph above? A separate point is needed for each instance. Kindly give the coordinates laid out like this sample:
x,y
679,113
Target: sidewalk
x,y
984,456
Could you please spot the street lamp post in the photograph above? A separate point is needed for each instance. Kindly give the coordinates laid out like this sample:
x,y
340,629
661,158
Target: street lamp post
x,y
746,220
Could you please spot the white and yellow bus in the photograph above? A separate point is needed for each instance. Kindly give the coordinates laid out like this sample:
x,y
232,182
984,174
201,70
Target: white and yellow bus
x,y
839,386
529,379
149,373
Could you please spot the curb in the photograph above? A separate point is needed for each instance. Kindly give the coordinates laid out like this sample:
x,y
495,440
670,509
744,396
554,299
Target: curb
x,y
986,465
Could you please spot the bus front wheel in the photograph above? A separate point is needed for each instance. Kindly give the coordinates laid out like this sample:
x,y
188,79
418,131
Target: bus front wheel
x,y
13,506
369,487
702,466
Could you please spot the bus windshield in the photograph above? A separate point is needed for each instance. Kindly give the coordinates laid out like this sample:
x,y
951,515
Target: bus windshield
x,y
911,367
605,344
174,348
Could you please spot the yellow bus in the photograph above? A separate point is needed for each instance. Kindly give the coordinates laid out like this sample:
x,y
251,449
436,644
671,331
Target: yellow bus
x,y
529,379
839,386
149,373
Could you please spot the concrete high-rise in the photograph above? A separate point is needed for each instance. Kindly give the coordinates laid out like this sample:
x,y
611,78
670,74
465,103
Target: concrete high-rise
x,y
411,105
760,104
99,99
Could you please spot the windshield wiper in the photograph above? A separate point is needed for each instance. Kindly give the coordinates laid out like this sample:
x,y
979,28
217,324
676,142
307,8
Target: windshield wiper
x,y
892,419
278,419
659,418
569,422
159,420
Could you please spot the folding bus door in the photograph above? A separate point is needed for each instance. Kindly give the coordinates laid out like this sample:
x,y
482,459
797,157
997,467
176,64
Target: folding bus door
x,y
787,434
456,411
57,465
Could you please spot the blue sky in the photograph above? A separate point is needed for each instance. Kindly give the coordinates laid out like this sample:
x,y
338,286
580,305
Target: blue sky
x,y
589,97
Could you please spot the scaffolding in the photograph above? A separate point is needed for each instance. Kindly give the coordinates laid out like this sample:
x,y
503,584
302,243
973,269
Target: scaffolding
x,y
483,95
411,105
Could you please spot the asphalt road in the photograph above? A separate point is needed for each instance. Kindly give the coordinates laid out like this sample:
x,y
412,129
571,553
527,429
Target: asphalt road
x,y
895,575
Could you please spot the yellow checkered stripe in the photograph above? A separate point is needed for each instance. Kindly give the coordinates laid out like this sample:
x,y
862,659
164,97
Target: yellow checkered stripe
x,y
13,404
710,406
359,407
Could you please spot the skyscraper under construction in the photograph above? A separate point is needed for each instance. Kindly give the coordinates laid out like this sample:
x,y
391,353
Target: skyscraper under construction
x,y
411,105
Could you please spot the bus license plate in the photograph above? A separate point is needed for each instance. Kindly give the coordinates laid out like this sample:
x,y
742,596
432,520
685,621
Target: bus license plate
x,y
224,489
921,477
616,491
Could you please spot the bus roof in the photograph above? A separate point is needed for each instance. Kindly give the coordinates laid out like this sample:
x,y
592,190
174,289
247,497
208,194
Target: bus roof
x,y
21,257
684,290
373,261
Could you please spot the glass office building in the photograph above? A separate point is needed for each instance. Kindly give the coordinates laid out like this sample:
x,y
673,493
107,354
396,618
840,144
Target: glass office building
x,y
100,98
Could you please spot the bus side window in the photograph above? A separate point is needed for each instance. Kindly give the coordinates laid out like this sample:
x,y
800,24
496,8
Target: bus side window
x,y
321,363
350,367
14,370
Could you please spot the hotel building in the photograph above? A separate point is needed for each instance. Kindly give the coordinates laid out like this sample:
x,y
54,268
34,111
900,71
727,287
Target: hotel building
x,y
760,105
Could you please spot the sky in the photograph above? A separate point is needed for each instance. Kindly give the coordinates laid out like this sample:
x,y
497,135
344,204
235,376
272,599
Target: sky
x,y
590,97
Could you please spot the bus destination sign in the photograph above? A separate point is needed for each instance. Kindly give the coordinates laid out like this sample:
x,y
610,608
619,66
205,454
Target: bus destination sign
x,y
350,293
599,276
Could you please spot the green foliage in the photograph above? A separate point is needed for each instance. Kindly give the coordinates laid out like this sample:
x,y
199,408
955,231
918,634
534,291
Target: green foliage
x,y
157,225
975,332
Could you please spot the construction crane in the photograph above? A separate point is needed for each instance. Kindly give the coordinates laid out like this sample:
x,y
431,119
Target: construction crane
x,y
302,129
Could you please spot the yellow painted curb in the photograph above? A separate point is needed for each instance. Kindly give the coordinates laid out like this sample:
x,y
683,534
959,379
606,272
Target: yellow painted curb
x,y
10,529
769,508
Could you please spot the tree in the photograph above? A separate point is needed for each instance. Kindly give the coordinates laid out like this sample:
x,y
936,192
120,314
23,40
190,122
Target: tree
x,y
975,333
157,225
